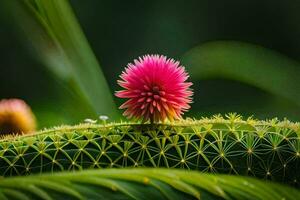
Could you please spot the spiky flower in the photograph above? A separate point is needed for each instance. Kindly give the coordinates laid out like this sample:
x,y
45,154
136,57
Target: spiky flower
x,y
16,117
156,89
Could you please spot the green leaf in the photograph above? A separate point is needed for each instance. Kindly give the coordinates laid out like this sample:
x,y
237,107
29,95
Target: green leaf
x,y
53,30
247,63
142,184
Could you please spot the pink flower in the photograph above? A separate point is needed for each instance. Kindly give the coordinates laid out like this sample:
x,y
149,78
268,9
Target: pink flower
x,y
155,88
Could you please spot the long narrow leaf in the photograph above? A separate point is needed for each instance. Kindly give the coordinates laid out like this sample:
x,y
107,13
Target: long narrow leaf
x,y
248,63
142,184
53,29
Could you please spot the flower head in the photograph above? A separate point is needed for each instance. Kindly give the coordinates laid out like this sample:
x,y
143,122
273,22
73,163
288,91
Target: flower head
x,y
16,117
156,89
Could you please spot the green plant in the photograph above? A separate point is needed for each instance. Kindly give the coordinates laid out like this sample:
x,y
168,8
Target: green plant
x,y
53,30
248,63
264,149
141,184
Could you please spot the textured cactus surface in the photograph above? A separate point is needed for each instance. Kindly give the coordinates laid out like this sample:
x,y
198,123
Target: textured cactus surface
x,y
264,149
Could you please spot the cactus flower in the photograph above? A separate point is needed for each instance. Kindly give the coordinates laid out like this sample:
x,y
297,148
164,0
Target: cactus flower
x,y
16,117
156,89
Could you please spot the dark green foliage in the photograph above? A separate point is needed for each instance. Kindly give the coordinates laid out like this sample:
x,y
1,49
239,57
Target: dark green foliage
x,y
141,184
264,149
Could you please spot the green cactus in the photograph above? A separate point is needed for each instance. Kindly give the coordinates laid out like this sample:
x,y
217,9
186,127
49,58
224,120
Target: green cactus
x,y
264,149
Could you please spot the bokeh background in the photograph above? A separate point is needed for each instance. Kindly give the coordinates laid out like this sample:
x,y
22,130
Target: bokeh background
x,y
119,31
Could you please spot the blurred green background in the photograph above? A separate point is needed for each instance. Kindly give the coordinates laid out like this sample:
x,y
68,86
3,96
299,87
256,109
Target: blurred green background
x,y
119,31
